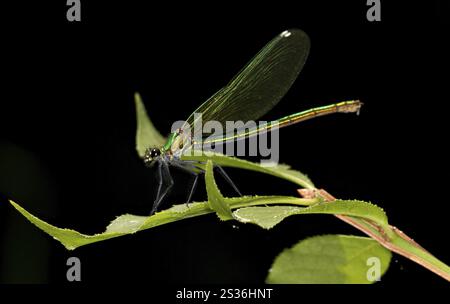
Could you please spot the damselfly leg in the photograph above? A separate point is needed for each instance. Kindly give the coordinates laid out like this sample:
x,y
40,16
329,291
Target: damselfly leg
x,y
165,180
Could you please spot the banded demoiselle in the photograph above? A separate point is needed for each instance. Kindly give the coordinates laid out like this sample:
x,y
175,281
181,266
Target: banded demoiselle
x,y
253,92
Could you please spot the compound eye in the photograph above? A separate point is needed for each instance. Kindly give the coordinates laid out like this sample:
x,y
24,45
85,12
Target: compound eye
x,y
155,152
151,155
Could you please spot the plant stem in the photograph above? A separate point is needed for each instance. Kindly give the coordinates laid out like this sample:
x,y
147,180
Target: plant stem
x,y
395,240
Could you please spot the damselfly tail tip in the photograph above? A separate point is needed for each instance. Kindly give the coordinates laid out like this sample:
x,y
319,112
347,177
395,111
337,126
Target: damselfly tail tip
x,y
359,104
352,106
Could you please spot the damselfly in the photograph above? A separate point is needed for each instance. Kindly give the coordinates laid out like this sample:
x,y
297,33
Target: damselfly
x,y
253,92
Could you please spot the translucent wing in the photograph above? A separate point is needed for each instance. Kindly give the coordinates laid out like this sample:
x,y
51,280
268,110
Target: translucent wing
x,y
261,84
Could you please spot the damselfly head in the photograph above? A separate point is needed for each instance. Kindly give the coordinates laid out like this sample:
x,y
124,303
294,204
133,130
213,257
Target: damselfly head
x,y
151,154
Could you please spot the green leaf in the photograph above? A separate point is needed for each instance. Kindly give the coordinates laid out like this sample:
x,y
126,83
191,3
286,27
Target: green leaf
x,y
129,224
215,199
125,224
146,134
268,217
331,259
281,171
265,217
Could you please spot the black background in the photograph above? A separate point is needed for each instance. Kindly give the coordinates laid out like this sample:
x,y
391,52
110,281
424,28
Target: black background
x,y
67,130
